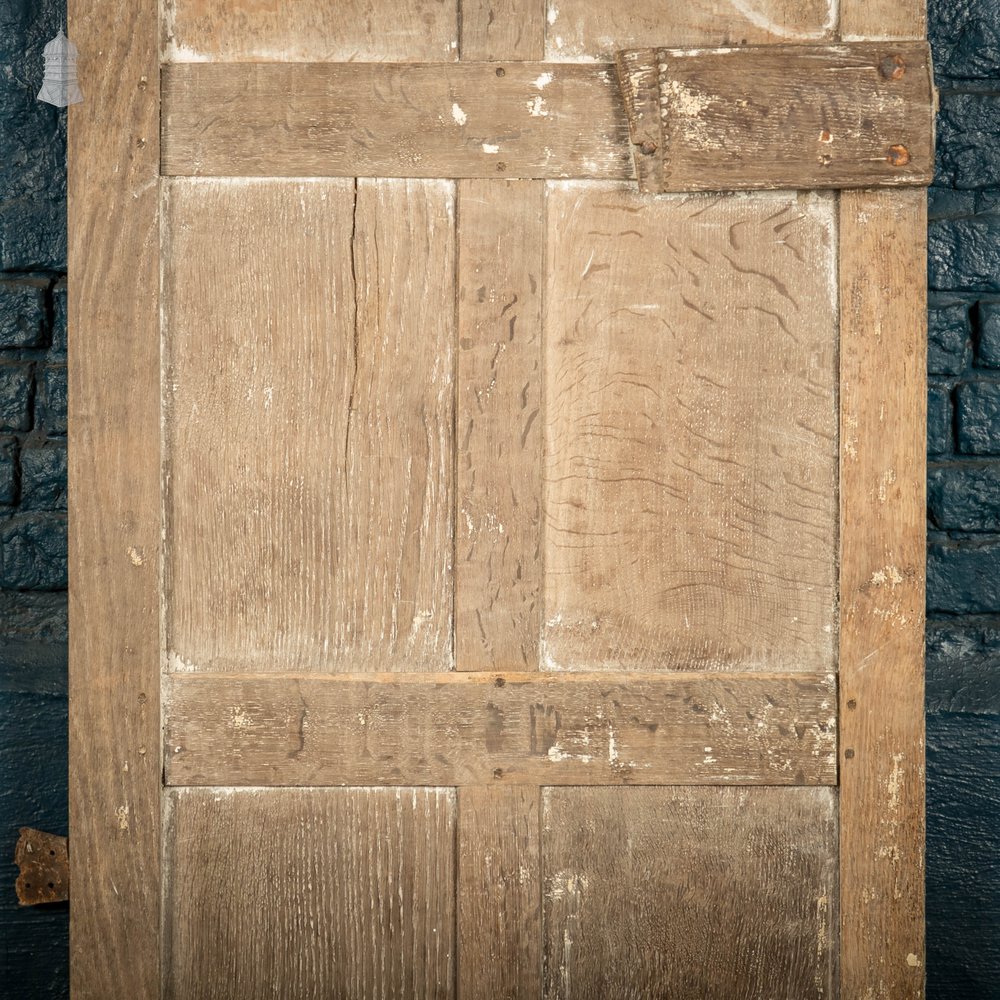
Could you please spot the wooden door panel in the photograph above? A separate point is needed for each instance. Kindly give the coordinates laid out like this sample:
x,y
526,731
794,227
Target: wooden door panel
x,y
309,331
307,894
691,431
310,30
690,893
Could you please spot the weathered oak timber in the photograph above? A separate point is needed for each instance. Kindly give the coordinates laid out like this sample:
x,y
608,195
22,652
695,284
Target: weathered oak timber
x,y
742,118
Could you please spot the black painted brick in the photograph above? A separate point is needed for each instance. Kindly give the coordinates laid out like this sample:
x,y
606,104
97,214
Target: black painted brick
x,y
945,203
939,420
52,402
963,665
965,35
963,863
33,552
963,576
949,340
964,496
964,254
988,348
8,470
43,478
968,155
977,412
59,325
22,313
16,391
34,957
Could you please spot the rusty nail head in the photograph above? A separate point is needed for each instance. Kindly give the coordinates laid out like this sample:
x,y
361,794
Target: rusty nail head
x,y
849,753
892,67
898,156
501,167
501,71
648,148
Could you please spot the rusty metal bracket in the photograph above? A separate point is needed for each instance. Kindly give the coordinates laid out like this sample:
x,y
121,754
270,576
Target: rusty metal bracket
x,y
780,116
43,859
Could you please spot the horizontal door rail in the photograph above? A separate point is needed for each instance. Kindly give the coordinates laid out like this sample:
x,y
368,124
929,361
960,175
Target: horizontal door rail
x,y
495,728
796,117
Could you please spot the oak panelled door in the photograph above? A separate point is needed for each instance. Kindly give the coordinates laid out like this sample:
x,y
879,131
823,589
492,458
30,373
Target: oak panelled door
x,y
497,499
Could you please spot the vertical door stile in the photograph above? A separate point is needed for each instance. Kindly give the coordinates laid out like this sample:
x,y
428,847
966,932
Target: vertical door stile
x,y
883,261
114,474
498,568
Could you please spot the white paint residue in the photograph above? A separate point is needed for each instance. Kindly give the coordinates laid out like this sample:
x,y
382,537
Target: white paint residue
x,y
890,575
542,81
912,961
894,785
536,108
459,115
122,815
177,664
553,14
887,479
565,883
239,718
685,101
488,147
556,753
760,20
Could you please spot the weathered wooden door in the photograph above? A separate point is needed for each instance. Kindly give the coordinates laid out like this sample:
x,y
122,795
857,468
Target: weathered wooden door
x,y
497,554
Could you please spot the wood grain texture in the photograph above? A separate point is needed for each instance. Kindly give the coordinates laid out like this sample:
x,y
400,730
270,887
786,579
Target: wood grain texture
x,y
498,558
499,893
793,116
707,893
309,30
320,315
481,728
397,120
502,29
114,478
691,422
585,29
498,521
883,19
309,894
753,118
501,234
883,430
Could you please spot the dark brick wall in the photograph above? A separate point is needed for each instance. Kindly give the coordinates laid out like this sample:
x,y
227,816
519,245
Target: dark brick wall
x,y
963,636
33,942
963,510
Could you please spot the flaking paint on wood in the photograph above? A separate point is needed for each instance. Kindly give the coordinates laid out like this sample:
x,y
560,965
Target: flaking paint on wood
x,y
791,117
